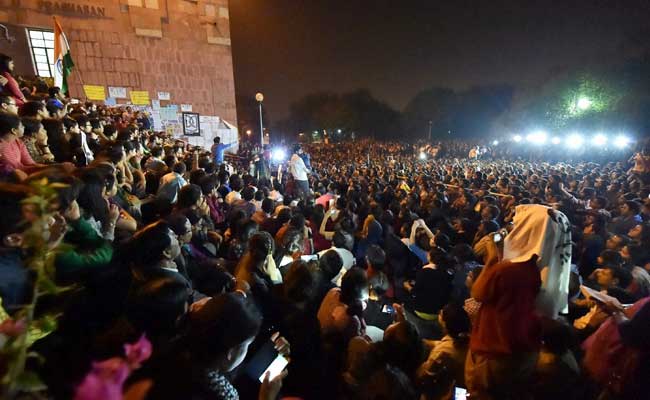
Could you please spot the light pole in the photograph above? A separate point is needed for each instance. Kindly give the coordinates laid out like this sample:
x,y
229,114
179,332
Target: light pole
x,y
260,98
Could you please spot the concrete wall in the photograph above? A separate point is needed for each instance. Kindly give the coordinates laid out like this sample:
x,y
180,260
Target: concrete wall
x,y
176,46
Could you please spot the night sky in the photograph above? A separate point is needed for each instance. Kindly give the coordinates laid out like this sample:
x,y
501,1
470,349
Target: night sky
x,y
395,48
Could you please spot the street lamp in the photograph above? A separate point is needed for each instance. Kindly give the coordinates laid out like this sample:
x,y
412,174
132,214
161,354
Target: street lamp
x,y
584,103
260,98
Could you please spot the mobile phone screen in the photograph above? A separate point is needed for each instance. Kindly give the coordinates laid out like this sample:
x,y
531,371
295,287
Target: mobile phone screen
x,y
275,368
460,393
388,309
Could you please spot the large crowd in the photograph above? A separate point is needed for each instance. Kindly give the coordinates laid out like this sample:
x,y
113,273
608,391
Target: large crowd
x,y
377,273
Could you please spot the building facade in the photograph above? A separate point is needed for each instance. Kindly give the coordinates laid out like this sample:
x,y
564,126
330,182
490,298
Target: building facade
x,y
181,47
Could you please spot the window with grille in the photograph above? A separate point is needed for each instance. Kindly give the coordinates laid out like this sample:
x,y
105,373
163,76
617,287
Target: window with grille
x,y
42,44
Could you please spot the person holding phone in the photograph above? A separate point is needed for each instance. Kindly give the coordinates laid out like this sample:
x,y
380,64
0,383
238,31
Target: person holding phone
x,y
216,343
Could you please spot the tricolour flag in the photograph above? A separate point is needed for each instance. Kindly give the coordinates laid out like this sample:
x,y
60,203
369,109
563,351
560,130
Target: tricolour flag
x,y
63,65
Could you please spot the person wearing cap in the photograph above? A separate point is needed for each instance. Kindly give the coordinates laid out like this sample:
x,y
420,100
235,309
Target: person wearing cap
x,y
299,171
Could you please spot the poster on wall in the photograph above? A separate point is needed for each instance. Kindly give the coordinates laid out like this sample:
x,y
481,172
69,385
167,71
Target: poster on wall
x,y
191,124
95,92
186,107
140,97
155,104
164,96
117,92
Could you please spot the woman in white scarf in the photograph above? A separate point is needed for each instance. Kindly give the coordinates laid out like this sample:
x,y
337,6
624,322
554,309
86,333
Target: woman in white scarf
x,y
545,232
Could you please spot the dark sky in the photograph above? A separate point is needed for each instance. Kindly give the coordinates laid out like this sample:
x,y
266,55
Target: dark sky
x,y
395,48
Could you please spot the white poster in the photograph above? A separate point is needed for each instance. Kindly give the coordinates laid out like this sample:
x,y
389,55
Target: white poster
x,y
186,108
117,92
164,96
155,104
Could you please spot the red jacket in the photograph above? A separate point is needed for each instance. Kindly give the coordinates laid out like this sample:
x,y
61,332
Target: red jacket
x,y
507,321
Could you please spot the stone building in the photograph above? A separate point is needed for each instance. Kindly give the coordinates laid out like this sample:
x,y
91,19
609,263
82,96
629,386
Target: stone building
x,y
177,46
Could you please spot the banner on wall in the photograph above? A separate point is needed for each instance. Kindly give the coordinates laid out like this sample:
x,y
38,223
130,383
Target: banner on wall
x,y
164,96
186,107
140,97
117,92
95,92
191,124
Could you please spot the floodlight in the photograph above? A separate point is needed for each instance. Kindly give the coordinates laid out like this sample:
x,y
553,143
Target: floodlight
x,y
495,143
538,137
517,138
574,141
279,154
599,140
621,141
423,155
584,103
556,140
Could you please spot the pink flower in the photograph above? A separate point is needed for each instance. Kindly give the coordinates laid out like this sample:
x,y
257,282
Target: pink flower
x,y
12,328
138,352
107,377
104,381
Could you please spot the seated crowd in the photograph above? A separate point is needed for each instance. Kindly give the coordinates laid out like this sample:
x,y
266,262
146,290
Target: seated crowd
x,y
386,277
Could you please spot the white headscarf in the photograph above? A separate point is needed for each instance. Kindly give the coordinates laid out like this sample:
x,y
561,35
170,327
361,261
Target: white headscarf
x,y
546,233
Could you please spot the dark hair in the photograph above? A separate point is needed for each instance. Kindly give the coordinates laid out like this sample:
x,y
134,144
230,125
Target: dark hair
x,y
55,140
147,246
248,193
623,276
156,151
353,285
31,109
376,257
113,151
457,322
208,183
611,258
91,198
633,205
557,336
260,245
155,306
223,322
4,63
235,183
8,122
267,205
330,264
216,139
32,126
179,168
177,222
299,283
11,196
188,196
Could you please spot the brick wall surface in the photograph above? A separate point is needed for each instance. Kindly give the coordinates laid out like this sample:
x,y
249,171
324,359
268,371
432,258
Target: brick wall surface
x,y
176,46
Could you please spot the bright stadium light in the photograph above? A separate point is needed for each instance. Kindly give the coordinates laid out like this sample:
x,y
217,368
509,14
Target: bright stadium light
x,y
574,141
279,154
495,143
599,140
584,103
621,141
538,137
556,140
423,155
517,138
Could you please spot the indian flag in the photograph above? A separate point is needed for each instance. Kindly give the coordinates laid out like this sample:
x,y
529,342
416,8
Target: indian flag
x,y
63,65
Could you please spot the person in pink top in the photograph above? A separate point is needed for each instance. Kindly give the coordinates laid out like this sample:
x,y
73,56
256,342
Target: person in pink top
x,y
9,84
13,153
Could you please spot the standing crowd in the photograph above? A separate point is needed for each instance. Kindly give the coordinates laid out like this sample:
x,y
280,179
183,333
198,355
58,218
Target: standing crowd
x,y
377,274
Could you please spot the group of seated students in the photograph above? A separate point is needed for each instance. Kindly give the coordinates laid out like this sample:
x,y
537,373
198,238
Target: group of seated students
x,y
390,279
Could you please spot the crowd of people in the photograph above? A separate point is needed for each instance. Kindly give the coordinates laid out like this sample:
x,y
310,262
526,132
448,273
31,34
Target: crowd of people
x,y
377,274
